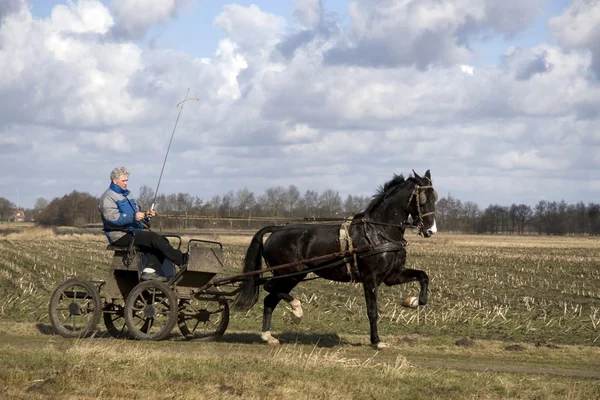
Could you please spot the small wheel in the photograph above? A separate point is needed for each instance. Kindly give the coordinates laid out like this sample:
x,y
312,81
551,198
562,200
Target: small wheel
x,y
114,320
203,319
75,308
151,310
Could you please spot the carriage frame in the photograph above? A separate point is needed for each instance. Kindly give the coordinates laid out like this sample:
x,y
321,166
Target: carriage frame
x,y
147,310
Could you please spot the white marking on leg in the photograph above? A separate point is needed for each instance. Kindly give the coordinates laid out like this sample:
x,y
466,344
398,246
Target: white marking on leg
x,y
267,337
381,345
297,311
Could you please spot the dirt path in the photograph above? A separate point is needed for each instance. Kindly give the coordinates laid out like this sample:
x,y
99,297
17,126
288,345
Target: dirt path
x,y
40,337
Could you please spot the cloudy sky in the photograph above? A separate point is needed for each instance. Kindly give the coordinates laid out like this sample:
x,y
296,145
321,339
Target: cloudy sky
x,y
498,98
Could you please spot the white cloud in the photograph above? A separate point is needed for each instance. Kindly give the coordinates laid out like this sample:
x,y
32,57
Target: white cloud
x,y
135,17
276,106
388,33
85,16
309,13
250,27
578,28
467,69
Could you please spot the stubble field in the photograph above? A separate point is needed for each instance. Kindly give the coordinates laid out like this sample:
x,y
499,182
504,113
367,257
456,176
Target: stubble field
x,y
508,317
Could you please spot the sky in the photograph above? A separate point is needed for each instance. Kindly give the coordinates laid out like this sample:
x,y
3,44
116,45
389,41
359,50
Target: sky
x,y
499,99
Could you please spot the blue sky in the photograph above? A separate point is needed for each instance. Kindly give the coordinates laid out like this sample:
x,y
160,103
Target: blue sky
x,y
485,93
193,32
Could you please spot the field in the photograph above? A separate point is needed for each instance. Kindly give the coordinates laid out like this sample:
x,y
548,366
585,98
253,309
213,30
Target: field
x,y
508,317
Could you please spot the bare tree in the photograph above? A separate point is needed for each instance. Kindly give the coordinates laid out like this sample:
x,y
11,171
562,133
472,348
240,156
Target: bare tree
x,y
523,214
594,218
274,200
244,201
540,215
331,202
580,222
145,198
215,205
292,197
471,212
355,204
227,204
311,203
40,204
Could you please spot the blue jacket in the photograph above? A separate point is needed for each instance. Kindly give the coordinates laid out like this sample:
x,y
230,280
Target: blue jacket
x,y
118,213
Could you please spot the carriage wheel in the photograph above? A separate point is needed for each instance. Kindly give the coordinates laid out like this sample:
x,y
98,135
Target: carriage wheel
x,y
75,309
114,320
203,319
151,310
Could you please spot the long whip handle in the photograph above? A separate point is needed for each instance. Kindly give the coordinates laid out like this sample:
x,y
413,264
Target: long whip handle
x,y
182,103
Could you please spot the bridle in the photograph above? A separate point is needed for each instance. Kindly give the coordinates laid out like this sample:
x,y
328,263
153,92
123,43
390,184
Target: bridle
x,y
420,197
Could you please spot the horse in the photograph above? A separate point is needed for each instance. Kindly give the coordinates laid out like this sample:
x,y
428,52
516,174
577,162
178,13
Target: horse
x,y
369,248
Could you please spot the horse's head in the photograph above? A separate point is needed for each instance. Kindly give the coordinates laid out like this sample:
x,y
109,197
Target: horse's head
x,y
400,198
421,204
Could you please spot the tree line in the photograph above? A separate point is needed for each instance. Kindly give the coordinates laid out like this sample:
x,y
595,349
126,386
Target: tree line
x,y
452,215
545,218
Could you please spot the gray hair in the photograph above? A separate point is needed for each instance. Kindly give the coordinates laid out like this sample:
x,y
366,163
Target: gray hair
x,y
118,172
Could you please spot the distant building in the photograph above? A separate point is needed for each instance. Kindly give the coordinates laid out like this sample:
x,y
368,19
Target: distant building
x,y
18,216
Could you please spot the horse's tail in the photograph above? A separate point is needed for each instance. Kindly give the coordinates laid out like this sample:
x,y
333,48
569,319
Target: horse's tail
x,y
249,289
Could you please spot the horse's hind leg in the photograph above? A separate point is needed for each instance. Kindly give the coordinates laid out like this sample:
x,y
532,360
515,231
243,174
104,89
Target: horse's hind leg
x,y
411,275
278,290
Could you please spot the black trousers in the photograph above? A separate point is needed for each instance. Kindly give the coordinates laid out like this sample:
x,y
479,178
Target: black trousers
x,y
155,246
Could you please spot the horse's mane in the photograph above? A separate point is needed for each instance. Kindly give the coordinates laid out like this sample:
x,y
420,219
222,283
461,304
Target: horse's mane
x,y
383,191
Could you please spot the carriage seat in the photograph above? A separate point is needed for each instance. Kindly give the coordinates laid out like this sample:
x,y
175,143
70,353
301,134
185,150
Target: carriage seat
x,y
123,260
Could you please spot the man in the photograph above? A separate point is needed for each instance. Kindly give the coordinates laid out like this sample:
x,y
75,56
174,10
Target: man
x,y
124,222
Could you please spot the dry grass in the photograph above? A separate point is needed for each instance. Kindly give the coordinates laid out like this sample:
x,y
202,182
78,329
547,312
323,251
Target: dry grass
x,y
532,302
51,367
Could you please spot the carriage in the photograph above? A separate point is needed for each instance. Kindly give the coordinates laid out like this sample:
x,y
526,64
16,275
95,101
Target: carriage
x,y
369,248
148,310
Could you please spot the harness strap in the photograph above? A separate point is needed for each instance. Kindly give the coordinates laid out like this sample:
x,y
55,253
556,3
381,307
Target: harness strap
x,y
346,245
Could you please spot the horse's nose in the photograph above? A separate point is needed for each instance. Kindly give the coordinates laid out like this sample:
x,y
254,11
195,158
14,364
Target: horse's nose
x,y
432,230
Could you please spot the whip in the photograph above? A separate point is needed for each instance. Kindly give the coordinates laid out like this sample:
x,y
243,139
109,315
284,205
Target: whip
x,y
182,103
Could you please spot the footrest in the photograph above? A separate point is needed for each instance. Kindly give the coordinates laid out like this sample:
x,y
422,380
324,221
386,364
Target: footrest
x,y
119,248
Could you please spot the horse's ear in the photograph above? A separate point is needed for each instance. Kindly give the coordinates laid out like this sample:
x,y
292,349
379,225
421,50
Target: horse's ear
x,y
428,175
416,175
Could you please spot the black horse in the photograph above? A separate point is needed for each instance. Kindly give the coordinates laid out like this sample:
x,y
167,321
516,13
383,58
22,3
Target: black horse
x,y
369,249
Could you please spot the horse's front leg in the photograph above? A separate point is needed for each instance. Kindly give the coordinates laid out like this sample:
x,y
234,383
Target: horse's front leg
x,y
411,275
370,288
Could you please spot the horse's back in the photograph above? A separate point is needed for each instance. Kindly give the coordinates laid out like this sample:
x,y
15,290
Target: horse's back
x,y
297,242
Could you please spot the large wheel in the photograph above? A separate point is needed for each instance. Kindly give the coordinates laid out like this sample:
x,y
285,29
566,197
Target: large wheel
x,y
203,319
75,308
151,310
114,320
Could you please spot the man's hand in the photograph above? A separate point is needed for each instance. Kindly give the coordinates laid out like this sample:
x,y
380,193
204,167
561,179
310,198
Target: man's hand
x,y
150,213
139,216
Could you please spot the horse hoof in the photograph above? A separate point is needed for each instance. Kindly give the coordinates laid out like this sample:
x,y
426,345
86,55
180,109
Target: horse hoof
x,y
381,346
297,312
267,337
410,302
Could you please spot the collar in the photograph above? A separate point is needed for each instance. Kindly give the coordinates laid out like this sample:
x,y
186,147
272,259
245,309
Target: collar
x,y
117,189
